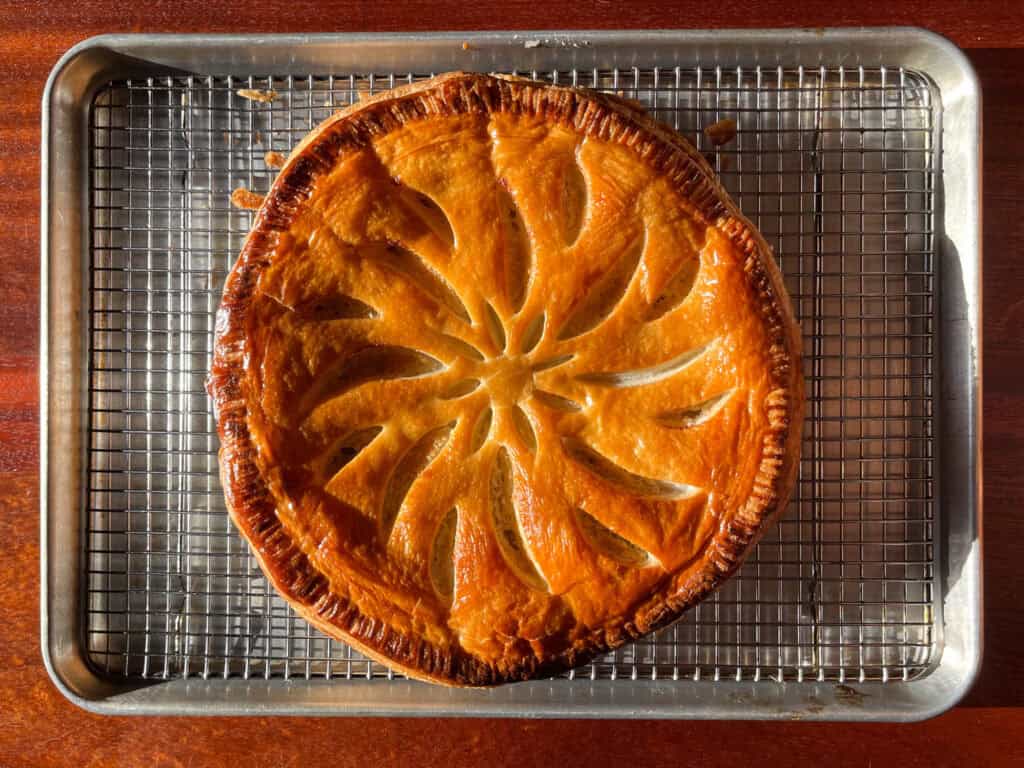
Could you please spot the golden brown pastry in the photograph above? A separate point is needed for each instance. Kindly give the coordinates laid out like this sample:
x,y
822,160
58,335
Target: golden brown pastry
x,y
503,379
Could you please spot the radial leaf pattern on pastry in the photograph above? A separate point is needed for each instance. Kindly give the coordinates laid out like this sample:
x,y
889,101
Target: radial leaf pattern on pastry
x,y
525,362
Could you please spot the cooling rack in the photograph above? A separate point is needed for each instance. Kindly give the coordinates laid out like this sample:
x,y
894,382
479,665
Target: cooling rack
x,y
840,164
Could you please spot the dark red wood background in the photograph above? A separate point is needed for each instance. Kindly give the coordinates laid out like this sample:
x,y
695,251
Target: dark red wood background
x,y
39,727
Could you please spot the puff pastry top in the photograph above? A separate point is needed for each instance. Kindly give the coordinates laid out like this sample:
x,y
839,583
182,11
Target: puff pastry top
x,y
503,379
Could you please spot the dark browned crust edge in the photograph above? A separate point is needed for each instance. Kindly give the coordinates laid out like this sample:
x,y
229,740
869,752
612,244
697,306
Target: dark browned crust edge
x,y
249,499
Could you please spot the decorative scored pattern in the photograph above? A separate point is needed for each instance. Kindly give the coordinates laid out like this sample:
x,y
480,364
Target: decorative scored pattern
x,y
836,169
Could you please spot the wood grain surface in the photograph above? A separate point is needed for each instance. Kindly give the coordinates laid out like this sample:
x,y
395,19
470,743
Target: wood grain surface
x,y
39,727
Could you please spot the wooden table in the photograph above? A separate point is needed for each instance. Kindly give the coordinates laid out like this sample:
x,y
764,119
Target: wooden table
x,y
39,727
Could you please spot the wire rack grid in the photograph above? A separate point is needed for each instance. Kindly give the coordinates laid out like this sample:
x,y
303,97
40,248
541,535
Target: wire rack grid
x,y
837,169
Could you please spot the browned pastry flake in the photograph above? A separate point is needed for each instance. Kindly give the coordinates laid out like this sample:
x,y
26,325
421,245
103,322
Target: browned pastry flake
x,y
721,132
253,94
274,159
246,199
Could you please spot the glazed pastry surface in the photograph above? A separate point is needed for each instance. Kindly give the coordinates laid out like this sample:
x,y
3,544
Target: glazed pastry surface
x,y
503,379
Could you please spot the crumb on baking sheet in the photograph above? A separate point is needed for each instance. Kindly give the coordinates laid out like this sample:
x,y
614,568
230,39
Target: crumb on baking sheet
x,y
466,46
274,159
246,199
254,94
721,132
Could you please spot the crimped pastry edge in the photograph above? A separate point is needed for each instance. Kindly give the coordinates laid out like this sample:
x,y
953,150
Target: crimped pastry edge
x,y
249,499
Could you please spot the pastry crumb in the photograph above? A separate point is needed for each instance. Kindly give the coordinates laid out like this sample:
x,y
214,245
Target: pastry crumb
x,y
721,132
246,199
531,44
274,159
254,94
467,47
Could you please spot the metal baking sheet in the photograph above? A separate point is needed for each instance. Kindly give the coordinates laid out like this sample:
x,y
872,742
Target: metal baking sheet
x,y
857,157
